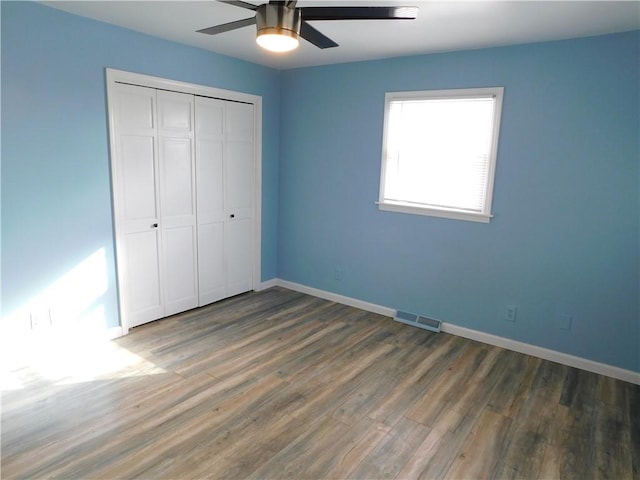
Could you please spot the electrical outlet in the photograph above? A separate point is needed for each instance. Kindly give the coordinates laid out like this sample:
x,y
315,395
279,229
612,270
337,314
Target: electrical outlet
x,y
40,319
510,313
338,273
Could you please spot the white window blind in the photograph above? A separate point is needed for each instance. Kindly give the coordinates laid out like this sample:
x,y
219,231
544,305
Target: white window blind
x,y
439,152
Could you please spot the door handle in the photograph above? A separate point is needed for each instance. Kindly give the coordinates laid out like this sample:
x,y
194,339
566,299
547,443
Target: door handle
x,y
232,216
154,225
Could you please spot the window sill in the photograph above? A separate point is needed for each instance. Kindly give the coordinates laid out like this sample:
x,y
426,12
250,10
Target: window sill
x,y
430,212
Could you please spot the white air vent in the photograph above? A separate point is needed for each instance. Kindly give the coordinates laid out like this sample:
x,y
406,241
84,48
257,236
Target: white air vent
x,y
418,321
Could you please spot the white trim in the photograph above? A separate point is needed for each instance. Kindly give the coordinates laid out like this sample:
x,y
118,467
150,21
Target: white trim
x,y
121,76
430,212
507,343
394,205
114,76
257,191
113,332
544,353
13,338
274,282
334,297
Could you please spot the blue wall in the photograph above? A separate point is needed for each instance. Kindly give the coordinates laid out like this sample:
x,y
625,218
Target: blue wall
x,y
56,204
564,240
565,237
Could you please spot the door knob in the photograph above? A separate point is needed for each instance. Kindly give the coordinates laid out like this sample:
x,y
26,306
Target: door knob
x,y
154,225
232,216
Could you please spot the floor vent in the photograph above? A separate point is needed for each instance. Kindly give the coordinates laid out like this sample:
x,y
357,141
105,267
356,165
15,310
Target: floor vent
x,y
418,321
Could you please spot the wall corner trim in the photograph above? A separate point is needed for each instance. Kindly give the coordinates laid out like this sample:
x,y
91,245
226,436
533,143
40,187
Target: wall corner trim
x,y
507,343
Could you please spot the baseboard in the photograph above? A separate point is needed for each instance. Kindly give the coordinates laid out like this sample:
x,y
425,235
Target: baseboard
x,y
514,345
544,353
113,332
334,297
82,333
274,282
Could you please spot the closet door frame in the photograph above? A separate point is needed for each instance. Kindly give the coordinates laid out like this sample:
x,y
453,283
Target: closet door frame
x,y
115,77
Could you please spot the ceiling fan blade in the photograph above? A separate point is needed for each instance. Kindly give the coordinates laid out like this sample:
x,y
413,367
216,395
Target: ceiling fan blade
x,y
312,35
286,3
359,13
225,27
240,4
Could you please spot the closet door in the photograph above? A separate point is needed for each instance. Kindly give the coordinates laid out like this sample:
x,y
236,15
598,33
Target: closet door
x,y
212,265
136,205
176,171
225,193
184,202
239,157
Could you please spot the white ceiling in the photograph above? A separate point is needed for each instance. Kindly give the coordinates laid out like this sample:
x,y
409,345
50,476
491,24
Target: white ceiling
x,y
442,26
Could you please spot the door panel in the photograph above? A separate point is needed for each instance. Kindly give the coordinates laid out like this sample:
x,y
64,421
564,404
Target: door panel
x,y
239,166
239,195
209,118
180,287
240,256
143,294
135,106
212,263
138,177
136,212
176,176
177,206
239,121
175,112
210,179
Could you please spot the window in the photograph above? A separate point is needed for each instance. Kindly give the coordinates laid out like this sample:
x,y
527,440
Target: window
x,y
439,152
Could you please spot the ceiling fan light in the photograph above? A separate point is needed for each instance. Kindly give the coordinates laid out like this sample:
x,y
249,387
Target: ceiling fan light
x,y
277,39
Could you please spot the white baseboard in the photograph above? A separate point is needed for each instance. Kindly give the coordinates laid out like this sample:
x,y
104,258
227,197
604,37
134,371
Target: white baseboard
x,y
334,297
514,345
268,284
544,353
113,332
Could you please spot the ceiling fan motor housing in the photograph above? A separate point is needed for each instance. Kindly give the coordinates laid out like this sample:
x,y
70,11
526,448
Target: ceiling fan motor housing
x,y
279,20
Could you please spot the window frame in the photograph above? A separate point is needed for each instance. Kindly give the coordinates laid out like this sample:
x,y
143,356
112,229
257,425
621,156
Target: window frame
x,y
422,209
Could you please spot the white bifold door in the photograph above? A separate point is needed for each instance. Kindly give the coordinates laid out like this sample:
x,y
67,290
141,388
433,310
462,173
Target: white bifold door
x,y
224,166
184,200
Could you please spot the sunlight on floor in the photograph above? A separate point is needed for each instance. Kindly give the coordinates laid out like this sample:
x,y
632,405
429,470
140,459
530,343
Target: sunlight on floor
x,y
59,335
67,358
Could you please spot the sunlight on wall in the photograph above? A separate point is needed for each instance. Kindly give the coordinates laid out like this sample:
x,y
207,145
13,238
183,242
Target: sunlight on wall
x,y
72,298
59,335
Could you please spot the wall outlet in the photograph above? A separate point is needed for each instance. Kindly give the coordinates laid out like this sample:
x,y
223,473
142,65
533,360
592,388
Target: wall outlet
x,y
510,313
40,319
338,273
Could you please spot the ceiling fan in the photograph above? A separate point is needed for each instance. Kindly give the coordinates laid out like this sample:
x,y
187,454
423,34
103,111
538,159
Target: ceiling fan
x,y
280,23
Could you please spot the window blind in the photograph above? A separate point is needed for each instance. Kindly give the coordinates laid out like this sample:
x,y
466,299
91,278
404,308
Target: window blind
x,y
438,152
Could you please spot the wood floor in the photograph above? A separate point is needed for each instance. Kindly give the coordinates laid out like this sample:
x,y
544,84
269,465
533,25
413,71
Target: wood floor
x,y
282,385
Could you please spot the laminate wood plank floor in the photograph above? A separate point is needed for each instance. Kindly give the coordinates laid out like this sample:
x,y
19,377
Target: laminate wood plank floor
x,y
281,385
